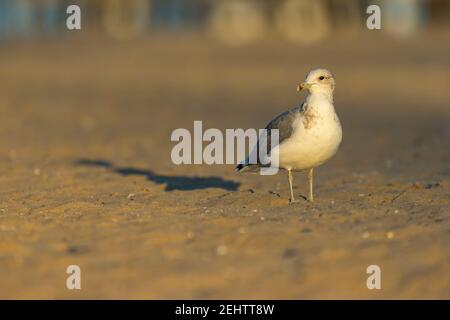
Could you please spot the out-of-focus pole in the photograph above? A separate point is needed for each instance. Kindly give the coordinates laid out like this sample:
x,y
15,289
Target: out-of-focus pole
x,y
347,14
403,17
124,19
237,22
303,21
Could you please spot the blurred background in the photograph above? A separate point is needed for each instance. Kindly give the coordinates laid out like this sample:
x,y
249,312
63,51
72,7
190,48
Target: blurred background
x,y
233,22
86,175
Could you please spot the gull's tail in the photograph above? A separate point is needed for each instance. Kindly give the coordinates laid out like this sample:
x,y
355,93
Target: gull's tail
x,y
247,167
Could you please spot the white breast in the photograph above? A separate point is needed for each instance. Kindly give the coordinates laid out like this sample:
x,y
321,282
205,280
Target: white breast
x,y
316,137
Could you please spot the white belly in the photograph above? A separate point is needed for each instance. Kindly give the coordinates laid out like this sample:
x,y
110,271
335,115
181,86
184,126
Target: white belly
x,y
310,147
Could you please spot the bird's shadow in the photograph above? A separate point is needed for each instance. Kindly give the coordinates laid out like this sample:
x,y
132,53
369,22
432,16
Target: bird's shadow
x,y
184,183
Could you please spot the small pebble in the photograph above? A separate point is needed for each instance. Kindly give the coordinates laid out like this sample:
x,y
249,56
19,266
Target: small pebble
x,y
366,235
190,235
255,210
396,211
7,228
262,218
37,172
130,196
289,253
222,250
242,230
390,235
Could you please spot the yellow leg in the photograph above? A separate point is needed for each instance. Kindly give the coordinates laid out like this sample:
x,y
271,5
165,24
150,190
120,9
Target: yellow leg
x,y
290,185
310,179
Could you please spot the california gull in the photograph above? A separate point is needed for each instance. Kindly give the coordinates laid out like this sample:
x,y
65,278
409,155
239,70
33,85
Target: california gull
x,y
309,135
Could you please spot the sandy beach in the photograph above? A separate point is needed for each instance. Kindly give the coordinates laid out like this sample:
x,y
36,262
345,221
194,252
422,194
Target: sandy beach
x,y
86,175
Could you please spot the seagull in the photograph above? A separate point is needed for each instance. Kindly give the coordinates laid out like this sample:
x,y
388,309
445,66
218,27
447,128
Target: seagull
x,y
310,134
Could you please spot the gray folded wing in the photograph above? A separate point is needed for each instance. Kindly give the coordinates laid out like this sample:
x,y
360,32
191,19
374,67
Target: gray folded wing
x,y
284,123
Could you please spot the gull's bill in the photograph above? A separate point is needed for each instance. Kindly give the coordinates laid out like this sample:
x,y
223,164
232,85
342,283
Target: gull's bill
x,y
303,85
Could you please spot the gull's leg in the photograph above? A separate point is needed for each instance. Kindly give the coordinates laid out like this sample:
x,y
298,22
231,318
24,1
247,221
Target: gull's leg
x,y
310,179
290,185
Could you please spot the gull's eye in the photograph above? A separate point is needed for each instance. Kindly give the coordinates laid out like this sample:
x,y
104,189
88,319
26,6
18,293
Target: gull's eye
x,y
321,77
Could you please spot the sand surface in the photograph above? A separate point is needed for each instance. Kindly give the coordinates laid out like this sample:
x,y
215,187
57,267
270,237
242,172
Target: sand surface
x,y
86,176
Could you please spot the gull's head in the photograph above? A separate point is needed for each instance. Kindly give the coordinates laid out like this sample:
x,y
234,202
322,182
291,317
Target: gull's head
x,y
320,81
